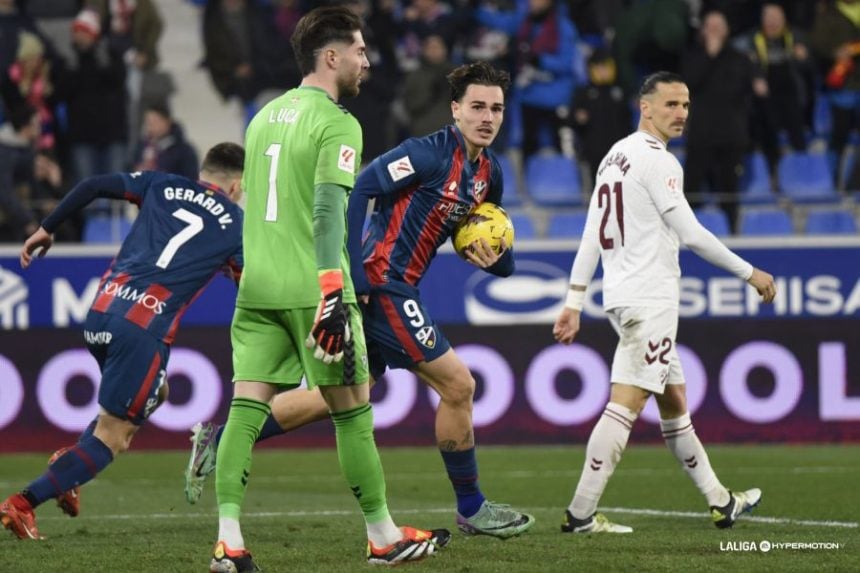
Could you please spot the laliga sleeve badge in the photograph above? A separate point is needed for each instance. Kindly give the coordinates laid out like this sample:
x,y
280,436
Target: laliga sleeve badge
x,y
346,159
400,168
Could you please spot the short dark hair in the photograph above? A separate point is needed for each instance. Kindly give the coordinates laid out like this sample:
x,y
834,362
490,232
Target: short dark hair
x,y
162,108
318,28
226,157
478,73
649,85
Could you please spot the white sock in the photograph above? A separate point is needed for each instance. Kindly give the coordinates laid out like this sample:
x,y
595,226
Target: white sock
x,y
681,439
605,446
383,533
230,533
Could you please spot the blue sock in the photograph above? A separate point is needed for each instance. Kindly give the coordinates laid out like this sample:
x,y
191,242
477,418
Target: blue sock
x,y
463,472
88,431
270,428
77,466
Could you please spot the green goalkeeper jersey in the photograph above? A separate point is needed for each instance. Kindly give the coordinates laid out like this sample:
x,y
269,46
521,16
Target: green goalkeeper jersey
x,y
299,140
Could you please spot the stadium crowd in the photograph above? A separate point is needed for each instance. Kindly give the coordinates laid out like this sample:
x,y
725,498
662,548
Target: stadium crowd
x,y
768,148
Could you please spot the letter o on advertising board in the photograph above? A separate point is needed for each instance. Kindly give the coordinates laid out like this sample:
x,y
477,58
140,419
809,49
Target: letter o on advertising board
x,y
205,391
401,388
541,377
51,389
498,383
788,382
11,392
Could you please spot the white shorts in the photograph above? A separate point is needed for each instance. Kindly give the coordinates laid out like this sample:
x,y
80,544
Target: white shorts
x,y
646,355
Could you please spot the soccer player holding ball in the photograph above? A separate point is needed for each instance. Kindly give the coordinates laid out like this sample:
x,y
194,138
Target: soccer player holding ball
x,y
637,217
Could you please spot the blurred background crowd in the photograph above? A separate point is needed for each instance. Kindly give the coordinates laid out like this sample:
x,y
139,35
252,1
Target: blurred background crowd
x,y
769,148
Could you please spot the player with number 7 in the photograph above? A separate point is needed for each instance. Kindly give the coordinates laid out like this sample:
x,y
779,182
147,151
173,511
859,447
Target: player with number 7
x,y
185,233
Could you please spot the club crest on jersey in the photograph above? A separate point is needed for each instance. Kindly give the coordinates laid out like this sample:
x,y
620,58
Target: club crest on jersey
x,y
346,159
426,336
400,168
479,189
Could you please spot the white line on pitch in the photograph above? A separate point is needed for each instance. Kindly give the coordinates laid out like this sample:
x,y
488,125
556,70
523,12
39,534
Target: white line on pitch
x,y
340,512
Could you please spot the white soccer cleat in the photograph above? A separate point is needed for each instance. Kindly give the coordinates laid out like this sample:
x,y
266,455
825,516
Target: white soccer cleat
x,y
204,449
597,523
739,502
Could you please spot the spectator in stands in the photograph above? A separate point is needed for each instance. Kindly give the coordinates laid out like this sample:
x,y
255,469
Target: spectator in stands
x,y
781,62
835,39
372,106
32,78
600,114
651,35
163,147
246,53
720,81
96,102
133,29
546,58
18,137
54,19
420,19
426,93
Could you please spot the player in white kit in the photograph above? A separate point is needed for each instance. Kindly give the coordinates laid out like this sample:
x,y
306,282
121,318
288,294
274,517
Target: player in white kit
x,y
637,218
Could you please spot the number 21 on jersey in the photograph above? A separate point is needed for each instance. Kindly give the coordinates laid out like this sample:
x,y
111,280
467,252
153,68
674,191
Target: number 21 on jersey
x,y
604,201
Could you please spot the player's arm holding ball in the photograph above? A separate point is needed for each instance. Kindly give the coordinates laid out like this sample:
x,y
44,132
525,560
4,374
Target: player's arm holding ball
x,y
480,253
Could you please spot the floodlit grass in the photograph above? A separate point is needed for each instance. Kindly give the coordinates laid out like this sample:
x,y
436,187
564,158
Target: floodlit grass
x,y
300,516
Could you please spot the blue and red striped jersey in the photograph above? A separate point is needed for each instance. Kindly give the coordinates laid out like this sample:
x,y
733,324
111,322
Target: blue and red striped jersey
x,y
423,188
185,233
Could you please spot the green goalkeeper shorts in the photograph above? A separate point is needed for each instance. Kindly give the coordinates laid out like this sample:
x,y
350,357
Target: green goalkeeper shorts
x,y
269,346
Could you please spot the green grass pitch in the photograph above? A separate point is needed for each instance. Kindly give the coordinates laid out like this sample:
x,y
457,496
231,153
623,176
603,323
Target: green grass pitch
x,y
300,516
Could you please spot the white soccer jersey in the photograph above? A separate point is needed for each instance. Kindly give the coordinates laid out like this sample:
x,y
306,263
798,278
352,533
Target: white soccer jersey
x,y
637,182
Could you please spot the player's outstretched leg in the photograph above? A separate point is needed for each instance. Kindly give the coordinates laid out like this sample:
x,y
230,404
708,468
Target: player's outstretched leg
x,y
681,439
476,515
740,502
290,410
204,447
359,461
605,446
70,500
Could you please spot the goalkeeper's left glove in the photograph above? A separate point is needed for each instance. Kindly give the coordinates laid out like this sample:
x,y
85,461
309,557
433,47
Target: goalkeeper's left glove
x,y
331,325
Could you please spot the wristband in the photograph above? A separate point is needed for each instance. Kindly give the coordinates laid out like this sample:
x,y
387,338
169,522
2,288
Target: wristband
x,y
330,281
575,299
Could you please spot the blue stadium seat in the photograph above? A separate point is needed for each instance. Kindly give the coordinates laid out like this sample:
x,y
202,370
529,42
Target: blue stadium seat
x,y
105,229
511,196
765,221
566,225
715,220
755,182
553,181
524,228
805,177
831,222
